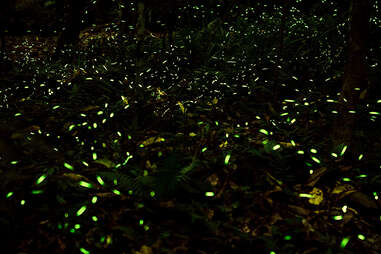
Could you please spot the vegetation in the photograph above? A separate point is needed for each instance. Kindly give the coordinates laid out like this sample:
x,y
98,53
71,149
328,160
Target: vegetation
x,y
190,126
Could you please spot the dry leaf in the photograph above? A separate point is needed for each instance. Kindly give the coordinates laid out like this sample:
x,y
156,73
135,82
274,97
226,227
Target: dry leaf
x,y
317,196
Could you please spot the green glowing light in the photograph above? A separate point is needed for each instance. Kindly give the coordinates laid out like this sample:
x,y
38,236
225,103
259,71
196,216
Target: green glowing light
x,y
100,180
343,150
344,242
305,195
85,184
94,199
361,237
68,166
84,251
209,194
227,158
71,127
315,159
41,179
35,192
81,210
264,131
338,217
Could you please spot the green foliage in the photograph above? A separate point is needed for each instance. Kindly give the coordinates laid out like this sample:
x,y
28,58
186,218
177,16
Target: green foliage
x,y
168,180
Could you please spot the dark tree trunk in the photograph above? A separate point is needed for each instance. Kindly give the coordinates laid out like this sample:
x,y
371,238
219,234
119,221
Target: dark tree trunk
x,y
355,75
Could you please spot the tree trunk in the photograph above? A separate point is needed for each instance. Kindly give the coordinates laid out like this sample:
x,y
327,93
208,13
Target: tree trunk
x,y
355,75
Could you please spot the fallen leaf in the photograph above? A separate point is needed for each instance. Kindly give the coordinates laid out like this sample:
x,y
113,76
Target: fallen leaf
x,y
317,196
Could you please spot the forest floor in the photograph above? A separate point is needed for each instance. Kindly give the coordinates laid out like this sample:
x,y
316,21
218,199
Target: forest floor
x,y
193,162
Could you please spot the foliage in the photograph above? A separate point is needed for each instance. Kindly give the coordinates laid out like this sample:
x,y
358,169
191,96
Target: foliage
x,y
225,148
